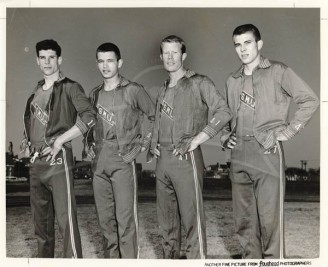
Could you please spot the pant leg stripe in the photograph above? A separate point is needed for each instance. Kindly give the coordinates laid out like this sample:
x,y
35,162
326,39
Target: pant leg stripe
x,y
135,205
200,236
281,197
69,203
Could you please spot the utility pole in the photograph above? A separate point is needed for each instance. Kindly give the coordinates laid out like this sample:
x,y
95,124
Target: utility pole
x,y
10,149
303,163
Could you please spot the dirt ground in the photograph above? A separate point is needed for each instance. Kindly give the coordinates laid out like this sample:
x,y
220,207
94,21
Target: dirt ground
x,y
302,227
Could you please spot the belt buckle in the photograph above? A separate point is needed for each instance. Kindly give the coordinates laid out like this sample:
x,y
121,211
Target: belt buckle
x,y
36,154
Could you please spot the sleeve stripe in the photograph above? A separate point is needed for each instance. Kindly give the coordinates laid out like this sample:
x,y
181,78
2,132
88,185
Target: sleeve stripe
x,y
132,154
288,133
79,123
269,142
210,131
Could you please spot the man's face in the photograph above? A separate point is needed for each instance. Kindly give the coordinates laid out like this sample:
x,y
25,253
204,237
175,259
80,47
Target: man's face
x,y
247,48
108,64
48,62
172,56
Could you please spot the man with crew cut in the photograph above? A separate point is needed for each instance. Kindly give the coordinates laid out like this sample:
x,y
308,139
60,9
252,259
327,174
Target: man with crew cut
x,y
259,94
57,112
114,144
181,126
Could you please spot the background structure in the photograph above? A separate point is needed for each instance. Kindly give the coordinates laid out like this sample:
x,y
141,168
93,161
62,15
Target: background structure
x,y
290,35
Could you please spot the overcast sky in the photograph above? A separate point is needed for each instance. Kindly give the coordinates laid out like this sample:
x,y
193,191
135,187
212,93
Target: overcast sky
x,y
290,35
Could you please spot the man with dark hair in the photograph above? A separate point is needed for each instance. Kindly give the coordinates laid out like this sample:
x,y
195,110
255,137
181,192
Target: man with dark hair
x,y
109,47
114,145
48,45
181,126
248,28
259,94
50,124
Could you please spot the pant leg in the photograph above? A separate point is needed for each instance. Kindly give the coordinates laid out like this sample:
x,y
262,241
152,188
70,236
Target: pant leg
x,y
42,210
246,218
188,184
105,202
61,184
270,191
167,209
124,182
257,180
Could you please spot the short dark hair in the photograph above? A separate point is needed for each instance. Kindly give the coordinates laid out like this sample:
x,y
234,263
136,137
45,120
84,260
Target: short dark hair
x,y
48,44
109,47
173,39
247,28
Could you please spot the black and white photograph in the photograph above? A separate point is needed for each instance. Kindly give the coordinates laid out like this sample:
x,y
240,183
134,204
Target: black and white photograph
x,y
166,134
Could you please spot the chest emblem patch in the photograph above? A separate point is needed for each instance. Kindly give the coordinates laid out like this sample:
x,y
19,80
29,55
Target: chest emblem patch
x,y
38,113
247,99
166,109
106,115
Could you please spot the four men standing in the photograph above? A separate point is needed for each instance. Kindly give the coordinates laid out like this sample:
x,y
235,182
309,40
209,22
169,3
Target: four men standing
x,y
189,111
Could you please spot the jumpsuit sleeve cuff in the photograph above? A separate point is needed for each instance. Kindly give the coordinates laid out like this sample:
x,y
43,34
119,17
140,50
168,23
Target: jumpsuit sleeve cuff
x,y
270,141
289,132
210,131
129,157
80,124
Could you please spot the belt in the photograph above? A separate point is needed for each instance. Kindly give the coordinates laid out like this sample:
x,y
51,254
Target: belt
x,y
113,139
109,142
247,137
38,147
166,147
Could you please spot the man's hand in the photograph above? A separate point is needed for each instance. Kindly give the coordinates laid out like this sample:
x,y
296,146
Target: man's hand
x,y
198,140
90,152
232,141
157,153
67,136
52,151
193,145
175,152
25,149
281,137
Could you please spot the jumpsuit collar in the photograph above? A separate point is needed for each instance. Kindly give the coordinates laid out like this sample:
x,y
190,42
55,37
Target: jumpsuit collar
x,y
264,63
188,74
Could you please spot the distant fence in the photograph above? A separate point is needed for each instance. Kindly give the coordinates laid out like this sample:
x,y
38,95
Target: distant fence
x,y
300,189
